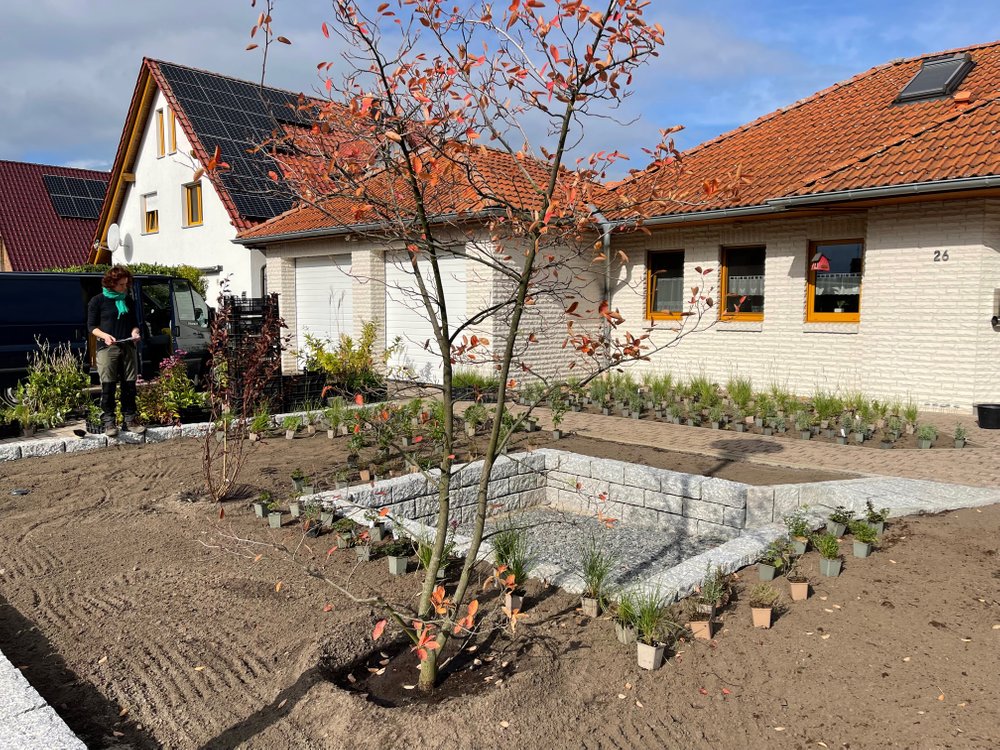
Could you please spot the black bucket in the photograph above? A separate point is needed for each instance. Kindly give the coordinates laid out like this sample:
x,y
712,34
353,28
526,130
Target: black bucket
x,y
988,416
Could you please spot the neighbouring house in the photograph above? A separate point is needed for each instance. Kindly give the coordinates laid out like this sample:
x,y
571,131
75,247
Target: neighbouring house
x,y
854,238
334,269
169,209
47,215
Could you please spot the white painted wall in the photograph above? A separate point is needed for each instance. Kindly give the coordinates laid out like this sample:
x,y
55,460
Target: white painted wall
x,y
207,245
925,326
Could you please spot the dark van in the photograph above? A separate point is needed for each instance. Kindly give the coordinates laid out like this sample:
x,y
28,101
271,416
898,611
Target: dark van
x,y
53,307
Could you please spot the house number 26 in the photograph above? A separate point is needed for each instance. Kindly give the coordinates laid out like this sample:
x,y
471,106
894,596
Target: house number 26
x,y
940,256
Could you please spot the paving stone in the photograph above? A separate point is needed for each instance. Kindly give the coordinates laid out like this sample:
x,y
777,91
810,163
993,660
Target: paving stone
x,y
84,444
10,451
35,448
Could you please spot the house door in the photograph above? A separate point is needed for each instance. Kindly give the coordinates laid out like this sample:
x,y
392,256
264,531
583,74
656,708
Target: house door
x,y
322,297
406,318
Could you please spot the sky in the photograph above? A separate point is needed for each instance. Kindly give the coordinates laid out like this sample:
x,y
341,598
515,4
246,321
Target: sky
x,y
68,67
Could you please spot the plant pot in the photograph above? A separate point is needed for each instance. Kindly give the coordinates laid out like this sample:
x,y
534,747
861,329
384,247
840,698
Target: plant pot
x,y
988,416
470,431
289,434
352,460
879,527
649,657
331,434
591,607
297,484
859,437
739,427
397,565
862,549
260,510
308,489
960,443
761,617
805,434
513,601
841,440
799,545
341,540
799,590
766,572
254,437
274,520
294,508
364,552
326,517
885,444
701,629
365,475
377,532
924,444
625,635
830,568
768,431
605,411
556,434
837,529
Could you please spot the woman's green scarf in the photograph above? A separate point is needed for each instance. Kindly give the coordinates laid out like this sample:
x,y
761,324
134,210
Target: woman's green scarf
x,y
119,298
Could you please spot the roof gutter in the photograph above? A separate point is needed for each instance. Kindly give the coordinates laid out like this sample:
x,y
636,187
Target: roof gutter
x,y
347,229
777,205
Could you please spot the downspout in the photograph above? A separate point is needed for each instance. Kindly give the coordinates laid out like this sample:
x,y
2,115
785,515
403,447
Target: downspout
x,y
608,290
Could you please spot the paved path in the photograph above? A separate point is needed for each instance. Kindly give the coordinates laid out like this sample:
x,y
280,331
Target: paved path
x,y
977,464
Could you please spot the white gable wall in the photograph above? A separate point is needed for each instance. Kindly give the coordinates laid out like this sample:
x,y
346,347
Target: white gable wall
x,y
201,246
925,326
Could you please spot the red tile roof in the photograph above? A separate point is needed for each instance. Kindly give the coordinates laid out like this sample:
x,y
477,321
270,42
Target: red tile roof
x,y
463,180
35,236
848,136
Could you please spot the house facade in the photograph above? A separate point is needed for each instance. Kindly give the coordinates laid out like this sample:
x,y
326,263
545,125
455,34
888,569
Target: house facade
x,y
852,237
169,208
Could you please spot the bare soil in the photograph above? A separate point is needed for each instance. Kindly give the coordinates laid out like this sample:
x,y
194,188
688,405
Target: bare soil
x,y
148,621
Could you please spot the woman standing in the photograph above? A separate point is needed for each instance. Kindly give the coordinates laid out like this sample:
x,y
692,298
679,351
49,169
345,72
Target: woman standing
x,y
111,318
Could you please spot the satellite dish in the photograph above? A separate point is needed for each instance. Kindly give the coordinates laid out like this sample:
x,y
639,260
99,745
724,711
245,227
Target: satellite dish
x,y
127,248
114,238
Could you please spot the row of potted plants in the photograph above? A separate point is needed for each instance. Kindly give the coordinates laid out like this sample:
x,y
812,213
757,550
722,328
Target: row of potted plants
x,y
700,402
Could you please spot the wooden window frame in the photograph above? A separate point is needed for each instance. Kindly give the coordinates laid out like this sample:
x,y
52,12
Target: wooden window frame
x,y
815,317
172,132
189,190
150,218
652,314
724,280
160,143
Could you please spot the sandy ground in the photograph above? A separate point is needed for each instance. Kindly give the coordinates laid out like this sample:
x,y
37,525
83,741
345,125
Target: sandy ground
x,y
149,622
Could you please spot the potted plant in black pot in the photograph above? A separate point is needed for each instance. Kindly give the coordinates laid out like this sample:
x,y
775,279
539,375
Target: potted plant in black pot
x,y
829,550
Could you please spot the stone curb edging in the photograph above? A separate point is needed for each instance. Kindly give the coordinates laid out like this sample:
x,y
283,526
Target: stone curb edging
x,y
27,722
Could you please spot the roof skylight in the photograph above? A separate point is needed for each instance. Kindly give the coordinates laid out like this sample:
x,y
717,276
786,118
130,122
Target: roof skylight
x,y
936,78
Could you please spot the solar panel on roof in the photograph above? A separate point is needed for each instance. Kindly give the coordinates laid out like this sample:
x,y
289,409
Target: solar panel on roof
x,y
75,197
937,77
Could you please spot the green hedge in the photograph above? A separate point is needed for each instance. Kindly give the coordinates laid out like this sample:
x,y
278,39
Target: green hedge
x,y
190,273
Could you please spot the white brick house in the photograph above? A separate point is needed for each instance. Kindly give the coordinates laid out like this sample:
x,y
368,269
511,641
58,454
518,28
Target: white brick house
x,y
862,251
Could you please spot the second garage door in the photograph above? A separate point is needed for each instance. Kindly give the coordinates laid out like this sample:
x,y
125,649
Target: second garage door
x,y
406,318
322,297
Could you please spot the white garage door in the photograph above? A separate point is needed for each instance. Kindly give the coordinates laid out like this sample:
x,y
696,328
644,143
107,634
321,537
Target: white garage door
x,y
322,297
406,318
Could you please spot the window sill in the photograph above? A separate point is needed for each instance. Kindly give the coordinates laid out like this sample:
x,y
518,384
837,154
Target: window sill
x,y
741,326
849,328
